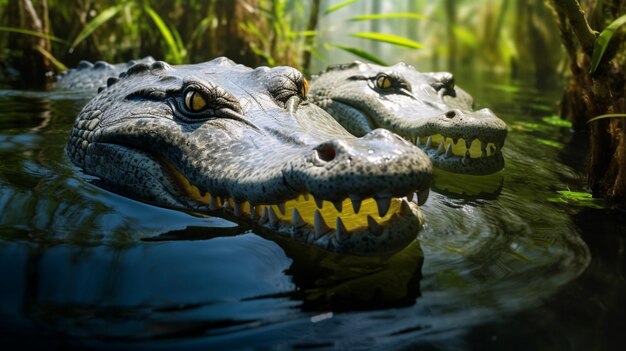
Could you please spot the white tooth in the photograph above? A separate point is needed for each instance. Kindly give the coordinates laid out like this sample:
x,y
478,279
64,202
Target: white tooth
x,y
252,211
225,203
383,205
237,209
449,150
429,141
272,216
418,142
356,203
373,226
321,227
338,205
296,219
318,202
342,232
440,149
422,196
281,208
214,203
405,209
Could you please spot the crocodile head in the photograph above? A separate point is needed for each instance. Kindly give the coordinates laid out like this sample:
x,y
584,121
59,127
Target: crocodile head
x,y
223,136
424,108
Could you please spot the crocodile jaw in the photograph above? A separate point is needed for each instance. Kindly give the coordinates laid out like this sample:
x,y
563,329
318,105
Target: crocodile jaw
x,y
369,226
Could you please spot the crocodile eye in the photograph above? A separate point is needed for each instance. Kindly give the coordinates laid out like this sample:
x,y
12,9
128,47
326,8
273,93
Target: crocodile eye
x,y
383,81
304,89
194,101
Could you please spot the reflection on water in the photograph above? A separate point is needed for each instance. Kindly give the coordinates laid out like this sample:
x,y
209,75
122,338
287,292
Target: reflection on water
x,y
82,266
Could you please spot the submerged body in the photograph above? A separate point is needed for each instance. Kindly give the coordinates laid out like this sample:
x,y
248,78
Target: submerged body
x,y
218,135
424,108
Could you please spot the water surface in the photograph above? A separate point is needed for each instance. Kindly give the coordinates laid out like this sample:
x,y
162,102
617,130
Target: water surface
x,y
502,262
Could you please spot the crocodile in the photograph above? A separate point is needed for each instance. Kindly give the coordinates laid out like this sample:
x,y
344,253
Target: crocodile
x,y
218,136
424,108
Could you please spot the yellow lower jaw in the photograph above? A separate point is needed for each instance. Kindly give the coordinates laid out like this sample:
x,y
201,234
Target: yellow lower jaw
x,y
304,204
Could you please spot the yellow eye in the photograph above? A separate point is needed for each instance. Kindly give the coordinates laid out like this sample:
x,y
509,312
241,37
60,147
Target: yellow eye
x,y
383,82
305,88
194,101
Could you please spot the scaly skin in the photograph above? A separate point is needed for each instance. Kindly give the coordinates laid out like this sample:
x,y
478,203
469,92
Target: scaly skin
x,y
89,76
222,136
415,105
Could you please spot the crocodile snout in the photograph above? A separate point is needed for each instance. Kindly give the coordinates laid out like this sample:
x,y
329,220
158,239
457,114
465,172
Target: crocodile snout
x,y
379,164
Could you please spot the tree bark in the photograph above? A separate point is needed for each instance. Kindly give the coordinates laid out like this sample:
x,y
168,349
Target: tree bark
x,y
576,17
231,40
588,95
308,43
450,7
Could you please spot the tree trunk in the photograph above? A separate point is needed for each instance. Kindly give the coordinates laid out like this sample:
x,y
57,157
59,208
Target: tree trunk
x,y
30,50
450,7
309,42
232,41
588,95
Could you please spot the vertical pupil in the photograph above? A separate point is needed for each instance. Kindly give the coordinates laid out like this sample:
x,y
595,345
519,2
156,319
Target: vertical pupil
x,y
384,82
194,101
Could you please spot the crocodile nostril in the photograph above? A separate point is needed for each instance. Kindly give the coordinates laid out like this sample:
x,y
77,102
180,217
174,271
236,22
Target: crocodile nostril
x,y
326,152
450,114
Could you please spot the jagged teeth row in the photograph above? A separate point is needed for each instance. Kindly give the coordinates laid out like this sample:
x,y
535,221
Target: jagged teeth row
x,y
445,147
267,214
383,202
320,228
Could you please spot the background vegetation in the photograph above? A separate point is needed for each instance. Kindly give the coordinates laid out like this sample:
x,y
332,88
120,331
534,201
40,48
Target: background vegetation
x,y
519,37
40,38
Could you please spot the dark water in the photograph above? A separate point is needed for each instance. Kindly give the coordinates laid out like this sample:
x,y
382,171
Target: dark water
x,y
504,261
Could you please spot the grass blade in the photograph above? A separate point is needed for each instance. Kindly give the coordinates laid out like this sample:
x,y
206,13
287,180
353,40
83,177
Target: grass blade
x,y
378,16
33,33
179,42
60,66
104,16
389,38
176,55
609,115
363,54
200,29
338,6
307,33
603,41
